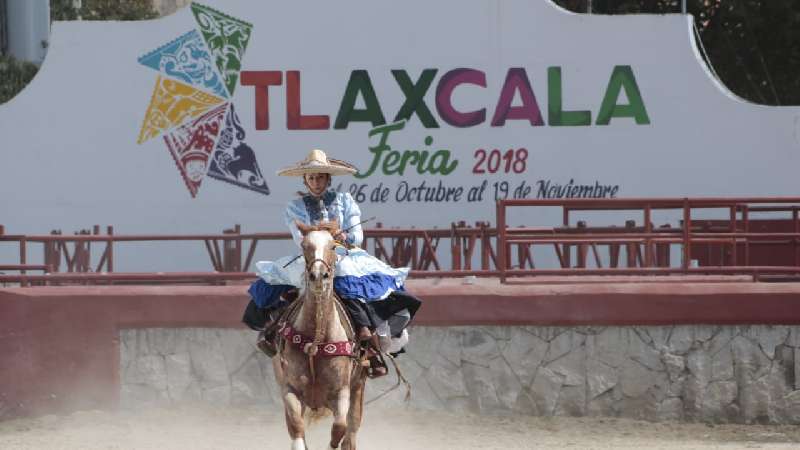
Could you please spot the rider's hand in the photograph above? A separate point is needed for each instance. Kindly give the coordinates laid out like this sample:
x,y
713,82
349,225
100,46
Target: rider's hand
x,y
341,236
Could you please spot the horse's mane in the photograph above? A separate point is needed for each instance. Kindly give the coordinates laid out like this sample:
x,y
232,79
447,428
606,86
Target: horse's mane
x,y
330,227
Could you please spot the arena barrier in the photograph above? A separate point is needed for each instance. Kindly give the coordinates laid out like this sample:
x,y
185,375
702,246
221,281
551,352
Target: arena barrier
x,y
661,322
736,244
720,351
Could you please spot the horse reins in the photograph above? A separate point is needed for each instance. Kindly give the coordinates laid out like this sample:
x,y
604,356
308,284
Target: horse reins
x,y
312,348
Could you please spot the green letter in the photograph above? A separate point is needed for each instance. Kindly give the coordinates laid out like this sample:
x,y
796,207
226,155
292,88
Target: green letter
x,y
556,114
390,163
382,145
359,83
415,97
438,163
622,78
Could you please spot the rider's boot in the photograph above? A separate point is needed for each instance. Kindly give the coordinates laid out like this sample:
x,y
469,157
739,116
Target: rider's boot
x,y
377,367
266,343
266,338
369,341
364,335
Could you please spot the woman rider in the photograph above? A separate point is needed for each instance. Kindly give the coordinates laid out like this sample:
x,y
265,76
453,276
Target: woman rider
x,y
372,292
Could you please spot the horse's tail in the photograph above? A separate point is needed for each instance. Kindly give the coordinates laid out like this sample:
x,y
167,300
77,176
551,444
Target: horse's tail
x,y
315,415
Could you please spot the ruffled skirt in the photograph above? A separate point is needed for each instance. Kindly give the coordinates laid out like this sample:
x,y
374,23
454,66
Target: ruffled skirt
x,y
358,275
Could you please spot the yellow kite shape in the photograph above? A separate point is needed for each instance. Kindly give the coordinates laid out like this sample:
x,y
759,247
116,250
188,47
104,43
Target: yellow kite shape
x,y
172,104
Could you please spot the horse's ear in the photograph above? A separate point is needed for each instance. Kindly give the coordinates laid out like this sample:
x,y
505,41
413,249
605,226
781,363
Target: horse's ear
x,y
304,229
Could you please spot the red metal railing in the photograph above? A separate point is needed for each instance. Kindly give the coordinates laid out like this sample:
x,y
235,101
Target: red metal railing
x,y
719,246
732,233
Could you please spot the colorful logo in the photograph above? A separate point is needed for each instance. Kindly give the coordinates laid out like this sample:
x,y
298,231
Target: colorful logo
x,y
191,104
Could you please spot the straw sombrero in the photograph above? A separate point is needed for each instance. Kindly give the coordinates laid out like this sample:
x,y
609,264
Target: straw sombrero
x,y
318,162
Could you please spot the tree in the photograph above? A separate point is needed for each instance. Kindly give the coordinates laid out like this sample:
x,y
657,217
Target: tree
x,y
753,45
15,75
103,10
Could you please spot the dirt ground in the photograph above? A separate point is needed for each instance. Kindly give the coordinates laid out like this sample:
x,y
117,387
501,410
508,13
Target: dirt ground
x,y
201,427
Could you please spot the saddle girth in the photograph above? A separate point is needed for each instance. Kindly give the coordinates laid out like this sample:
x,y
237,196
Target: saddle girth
x,y
286,333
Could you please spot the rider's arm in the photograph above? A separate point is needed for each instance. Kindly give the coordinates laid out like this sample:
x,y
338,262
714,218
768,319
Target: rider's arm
x,y
352,217
295,210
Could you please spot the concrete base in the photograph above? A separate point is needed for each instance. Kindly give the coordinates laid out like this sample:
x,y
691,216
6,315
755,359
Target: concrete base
x,y
60,347
721,374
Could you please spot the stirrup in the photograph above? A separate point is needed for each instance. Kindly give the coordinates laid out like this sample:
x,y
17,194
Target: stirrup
x,y
267,346
377,368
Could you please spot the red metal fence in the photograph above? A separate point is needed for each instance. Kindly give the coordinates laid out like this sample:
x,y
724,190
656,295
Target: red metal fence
x,y
648,247
736,244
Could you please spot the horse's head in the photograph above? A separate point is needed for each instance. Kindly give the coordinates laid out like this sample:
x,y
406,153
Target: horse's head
x,y
320,255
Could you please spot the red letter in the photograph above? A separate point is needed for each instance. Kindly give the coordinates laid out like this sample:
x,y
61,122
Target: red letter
x,y
295,120
444,91
262,80
517,81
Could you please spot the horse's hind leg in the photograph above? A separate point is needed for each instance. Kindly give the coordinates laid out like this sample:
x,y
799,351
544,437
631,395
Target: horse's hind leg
x,y
293,408
356,409
340,405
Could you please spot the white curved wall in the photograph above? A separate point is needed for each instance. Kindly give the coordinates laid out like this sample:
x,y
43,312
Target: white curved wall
x,y
70,156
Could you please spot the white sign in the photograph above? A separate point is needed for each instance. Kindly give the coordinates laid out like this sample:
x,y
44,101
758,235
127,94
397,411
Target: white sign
x,y
179,124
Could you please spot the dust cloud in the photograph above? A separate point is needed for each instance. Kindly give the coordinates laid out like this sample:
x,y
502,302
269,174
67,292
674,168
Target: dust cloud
x,y
204,427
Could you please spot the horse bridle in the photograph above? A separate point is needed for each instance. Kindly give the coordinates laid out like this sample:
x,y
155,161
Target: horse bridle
x,y
309,264
328,273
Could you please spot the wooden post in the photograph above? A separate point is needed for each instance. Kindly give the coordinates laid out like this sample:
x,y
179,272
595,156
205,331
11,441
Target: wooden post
x,y
687,224
23,258
662,250
582,248
648,242
733,227
455,248
566,249
631,247
110,249
501,240
486,244
237,257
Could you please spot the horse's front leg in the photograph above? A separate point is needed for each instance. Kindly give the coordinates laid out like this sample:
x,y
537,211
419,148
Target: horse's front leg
x,y
356,409
294,409
340,405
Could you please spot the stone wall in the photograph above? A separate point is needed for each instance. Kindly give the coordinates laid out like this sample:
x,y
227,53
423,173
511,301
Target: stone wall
x,y
695,373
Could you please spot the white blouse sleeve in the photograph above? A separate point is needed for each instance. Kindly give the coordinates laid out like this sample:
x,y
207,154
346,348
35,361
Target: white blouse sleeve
x,y
295,210
352,216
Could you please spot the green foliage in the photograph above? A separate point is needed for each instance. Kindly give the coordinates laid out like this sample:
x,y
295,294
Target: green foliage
x,y
14,75
103,10
62,10
753,45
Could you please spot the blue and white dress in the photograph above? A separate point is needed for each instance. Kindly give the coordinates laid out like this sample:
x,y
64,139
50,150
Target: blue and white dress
x,y
358,275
